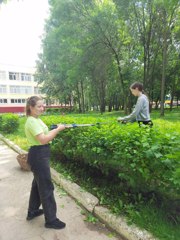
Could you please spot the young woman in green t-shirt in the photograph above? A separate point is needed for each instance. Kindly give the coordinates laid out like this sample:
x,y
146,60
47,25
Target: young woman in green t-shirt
x,y
42,190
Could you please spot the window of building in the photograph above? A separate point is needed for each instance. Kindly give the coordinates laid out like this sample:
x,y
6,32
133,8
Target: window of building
x,y
13,100
15,89
2,75
3,89
37,90
25,77
27,90
3,100
21,89
13,76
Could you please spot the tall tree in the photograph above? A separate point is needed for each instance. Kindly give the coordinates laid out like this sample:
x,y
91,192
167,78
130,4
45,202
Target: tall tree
x,y
93,50
167,15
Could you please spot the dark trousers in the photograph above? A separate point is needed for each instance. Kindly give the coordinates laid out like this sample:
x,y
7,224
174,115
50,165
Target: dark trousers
x,y
42,190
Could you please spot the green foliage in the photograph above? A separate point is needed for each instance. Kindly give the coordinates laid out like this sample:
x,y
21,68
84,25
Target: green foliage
x,y
90,218
51,111
143,210
0,122
93,51
155,151
9,122
144,159
3,1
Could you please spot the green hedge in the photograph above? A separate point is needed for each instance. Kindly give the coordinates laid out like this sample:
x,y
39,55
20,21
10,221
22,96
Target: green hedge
x,y
145,159
56,111
9,122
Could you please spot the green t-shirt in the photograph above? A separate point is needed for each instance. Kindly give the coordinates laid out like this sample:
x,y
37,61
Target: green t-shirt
x,y
33,127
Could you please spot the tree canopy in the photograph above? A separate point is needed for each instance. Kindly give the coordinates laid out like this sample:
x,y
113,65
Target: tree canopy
x,y
94,49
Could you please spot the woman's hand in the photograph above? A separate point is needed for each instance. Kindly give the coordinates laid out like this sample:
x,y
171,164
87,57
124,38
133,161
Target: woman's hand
x,y
120,119
61,127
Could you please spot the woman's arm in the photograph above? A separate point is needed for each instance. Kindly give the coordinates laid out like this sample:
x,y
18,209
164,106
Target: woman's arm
x,y
46,138
135,112
131,117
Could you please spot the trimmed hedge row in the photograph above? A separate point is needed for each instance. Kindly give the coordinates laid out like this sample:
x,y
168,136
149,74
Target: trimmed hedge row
x,y
9,122
146,159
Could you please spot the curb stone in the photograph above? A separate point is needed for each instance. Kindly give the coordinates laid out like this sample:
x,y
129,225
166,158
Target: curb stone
x,y
90,202
16,148
84,198
119,224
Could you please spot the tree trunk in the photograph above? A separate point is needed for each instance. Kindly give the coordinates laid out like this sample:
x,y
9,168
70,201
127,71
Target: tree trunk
x,y
121,79
172,95
79,99
102,98
164,60
82,96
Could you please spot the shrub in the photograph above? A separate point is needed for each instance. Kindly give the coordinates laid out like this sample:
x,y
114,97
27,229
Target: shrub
x,y
9,122
144,159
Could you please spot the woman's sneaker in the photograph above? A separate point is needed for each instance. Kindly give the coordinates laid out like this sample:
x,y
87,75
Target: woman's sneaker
x,y
34,214
56,224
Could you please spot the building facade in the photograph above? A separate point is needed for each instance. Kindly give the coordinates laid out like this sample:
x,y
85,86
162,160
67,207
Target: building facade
x,y
16,85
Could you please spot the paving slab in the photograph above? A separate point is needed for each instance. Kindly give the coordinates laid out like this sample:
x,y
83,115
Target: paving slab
x,y
15,187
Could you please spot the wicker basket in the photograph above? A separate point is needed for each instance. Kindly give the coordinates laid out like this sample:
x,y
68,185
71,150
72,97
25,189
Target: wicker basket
x,y
22,160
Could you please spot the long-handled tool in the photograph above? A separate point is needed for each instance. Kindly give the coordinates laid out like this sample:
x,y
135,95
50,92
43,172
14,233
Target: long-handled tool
x,y
74,125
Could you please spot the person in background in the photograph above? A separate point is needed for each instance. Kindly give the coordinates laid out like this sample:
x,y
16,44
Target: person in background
x,y
42,189
140,113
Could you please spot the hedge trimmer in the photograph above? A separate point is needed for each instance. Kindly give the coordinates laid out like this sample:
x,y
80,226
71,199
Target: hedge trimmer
x,y
74,125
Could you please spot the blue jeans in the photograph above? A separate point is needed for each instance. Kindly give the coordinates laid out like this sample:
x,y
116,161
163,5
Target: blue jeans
x,y
42,190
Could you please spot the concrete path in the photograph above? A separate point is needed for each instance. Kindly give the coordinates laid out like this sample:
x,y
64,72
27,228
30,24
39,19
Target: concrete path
x,y
15,186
